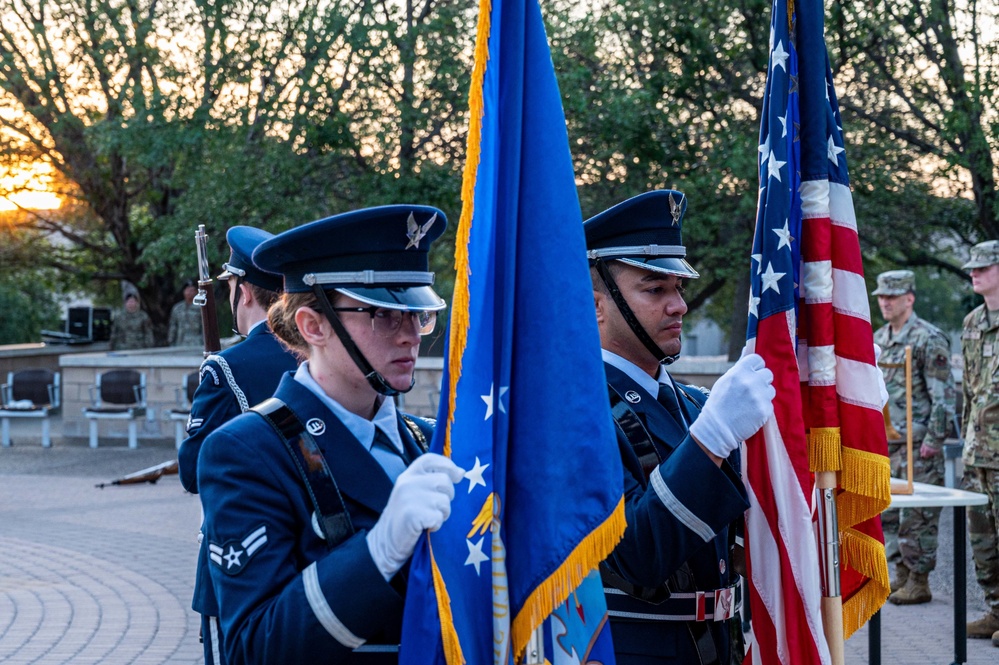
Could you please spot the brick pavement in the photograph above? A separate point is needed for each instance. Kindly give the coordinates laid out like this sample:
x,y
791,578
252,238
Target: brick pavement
x,y
106,576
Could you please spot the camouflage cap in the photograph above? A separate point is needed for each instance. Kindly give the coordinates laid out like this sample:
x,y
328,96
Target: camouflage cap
x,y
895,283
983,255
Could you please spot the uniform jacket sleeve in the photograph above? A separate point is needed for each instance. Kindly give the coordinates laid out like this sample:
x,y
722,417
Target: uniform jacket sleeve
x,y
214,405
291,599
688,502
940,388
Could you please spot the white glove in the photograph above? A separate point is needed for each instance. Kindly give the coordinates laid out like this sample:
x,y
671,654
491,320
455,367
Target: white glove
x,y
882,388
740,403
420,499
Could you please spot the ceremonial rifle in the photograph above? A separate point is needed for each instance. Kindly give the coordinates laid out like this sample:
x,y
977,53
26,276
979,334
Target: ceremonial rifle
x,y
148,475
206,295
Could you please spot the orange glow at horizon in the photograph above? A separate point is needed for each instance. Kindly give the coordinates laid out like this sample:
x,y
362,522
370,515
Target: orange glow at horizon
x,y
28,188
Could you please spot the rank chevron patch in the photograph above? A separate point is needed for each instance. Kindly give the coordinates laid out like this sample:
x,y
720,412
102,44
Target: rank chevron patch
x,y
232,556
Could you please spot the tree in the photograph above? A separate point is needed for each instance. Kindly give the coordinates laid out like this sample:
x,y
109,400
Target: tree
x,y
660,95
919,86
157,116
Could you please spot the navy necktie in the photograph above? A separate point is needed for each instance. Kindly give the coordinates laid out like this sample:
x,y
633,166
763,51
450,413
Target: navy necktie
x,y
667,397
387,455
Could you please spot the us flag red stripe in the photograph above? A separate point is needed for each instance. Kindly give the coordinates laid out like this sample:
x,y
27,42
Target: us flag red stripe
x,y
809,318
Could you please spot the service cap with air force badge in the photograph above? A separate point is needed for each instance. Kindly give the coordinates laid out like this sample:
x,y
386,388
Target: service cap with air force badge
x,y
242,241
643,231
378,256
895,283
983,255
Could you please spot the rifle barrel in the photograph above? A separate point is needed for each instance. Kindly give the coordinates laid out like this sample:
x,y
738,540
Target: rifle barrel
x,y
206,295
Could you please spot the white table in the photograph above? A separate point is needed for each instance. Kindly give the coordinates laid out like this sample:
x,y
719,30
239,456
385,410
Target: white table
x,y
932,496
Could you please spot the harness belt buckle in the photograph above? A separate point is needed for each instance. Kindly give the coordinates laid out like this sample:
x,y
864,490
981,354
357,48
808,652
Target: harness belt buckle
x,y
724,604
699,606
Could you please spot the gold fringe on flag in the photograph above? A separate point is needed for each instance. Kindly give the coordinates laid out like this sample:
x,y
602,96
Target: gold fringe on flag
x,y
449,636
867,556
460,300
864,491
866,485
824,449
553,591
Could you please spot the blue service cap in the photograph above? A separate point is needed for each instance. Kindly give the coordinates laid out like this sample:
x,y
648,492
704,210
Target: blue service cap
x,y
242,241
376,255
643,231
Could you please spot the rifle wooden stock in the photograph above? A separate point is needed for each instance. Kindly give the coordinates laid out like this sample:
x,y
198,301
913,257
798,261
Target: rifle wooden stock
x,y
148,475
206,295
209,320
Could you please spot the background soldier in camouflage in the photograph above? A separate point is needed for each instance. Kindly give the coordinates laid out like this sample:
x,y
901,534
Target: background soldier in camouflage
x,y
911,534
980,348
185,319
131,327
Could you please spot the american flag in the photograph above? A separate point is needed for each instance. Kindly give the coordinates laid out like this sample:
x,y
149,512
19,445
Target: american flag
x,y
809,318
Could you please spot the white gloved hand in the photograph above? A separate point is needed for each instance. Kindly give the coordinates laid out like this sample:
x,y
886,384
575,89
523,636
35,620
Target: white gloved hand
x,y
420,499
882,388
741,401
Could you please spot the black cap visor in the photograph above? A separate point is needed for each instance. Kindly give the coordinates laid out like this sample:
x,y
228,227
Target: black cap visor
x,y
662,264
411,298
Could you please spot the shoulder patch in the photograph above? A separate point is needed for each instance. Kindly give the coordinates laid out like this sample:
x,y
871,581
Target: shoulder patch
x,y
209,370
232,556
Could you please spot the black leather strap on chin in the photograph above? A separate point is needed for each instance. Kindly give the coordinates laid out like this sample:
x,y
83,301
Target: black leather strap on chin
x,y
235,308
375,380
629,316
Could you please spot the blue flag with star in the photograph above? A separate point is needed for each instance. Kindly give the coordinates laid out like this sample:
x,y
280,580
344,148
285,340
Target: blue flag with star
x,y
524,405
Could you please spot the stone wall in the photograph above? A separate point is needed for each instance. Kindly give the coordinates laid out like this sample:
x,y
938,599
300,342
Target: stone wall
x,y
165,369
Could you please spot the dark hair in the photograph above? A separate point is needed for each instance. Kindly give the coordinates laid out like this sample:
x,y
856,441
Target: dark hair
x,y
265,297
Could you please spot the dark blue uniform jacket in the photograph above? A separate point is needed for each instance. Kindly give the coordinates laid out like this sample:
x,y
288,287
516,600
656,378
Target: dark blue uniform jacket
x,y
681,514
232,381
284,595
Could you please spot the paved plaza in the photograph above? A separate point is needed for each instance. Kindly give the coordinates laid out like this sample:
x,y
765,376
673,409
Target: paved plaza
x,y
105,576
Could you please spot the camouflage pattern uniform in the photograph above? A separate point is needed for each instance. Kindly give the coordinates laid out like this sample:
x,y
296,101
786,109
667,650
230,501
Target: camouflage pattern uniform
x,y
911,534
131,330
185,325
980,348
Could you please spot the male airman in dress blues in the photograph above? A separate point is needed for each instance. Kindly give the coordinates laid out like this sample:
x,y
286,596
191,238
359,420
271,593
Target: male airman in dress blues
x,y
911,537
980,349
232,381
671,585
315,499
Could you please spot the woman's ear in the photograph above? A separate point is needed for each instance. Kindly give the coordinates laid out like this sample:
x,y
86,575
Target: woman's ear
x,y
312,325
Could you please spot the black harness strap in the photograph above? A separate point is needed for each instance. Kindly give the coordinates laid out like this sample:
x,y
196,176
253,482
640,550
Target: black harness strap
x,y
331,511
634,431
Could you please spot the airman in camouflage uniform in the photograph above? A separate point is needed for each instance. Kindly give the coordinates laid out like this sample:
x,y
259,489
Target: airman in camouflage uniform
x,y
131,327
911,534
185,319
980,348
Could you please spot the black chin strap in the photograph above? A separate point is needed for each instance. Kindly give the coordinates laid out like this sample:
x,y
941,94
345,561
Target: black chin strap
x,y
235,308
375,380
629,316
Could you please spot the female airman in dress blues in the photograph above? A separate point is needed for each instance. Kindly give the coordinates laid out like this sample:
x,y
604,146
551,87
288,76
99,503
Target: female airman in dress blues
x,y
315,499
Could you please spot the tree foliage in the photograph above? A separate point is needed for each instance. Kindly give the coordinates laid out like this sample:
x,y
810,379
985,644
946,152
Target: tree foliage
x,y
155,117
919,94
158,116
